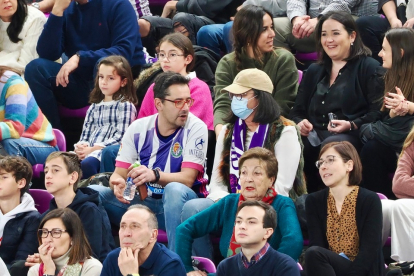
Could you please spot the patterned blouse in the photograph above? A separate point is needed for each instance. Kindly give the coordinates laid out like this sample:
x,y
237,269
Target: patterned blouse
x,y
341,229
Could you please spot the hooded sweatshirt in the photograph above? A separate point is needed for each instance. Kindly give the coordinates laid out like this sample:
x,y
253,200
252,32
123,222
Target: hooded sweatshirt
x,y
18,231
94,219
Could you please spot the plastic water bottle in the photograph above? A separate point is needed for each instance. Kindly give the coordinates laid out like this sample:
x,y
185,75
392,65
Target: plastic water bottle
x,y
130,188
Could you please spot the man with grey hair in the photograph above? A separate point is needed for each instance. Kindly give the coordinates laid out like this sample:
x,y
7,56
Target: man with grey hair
x,y
139,252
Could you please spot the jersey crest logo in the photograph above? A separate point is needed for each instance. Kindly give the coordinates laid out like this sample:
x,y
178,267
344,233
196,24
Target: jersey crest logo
x,y
176,150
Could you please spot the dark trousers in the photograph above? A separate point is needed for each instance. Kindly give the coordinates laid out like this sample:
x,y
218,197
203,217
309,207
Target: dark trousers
x,y
372,30
41,74
321,261
379,163
311,154
90,166
163,26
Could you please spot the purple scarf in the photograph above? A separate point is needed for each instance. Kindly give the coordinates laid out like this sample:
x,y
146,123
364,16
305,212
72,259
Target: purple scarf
x,y
237,149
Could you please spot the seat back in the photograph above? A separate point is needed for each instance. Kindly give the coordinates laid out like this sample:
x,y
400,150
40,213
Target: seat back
x,y
41,198
205,264
60,138
382,196
300,73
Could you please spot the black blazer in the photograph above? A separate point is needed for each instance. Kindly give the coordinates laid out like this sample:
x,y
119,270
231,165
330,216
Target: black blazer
x,y
369,261
364,91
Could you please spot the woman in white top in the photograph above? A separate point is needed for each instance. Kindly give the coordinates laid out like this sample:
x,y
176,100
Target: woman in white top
x,y
255,121
20,28
64,249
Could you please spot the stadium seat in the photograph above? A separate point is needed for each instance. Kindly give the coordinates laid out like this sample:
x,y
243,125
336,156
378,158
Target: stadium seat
x,y
204,264
41,198
61,143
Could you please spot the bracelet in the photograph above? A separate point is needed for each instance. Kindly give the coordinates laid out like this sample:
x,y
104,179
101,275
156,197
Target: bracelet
x,y
157,175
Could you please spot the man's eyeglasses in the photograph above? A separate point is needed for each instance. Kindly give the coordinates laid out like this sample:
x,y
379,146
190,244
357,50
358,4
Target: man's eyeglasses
x,y
55,232
328,161
180,103
170,56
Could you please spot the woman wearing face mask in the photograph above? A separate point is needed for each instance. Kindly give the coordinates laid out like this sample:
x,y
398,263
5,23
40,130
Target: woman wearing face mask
x,y
255,121
64,249
253,48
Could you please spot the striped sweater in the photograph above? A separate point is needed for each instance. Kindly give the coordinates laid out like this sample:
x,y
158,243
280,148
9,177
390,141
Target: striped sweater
x,y
20,116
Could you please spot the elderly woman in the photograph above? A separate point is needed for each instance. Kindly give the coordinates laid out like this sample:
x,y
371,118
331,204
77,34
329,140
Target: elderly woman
x,y
258,171
344,82
20,28
344,221
64,247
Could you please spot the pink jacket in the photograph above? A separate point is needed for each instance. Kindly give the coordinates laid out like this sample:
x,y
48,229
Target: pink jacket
x,y
403,182
202,108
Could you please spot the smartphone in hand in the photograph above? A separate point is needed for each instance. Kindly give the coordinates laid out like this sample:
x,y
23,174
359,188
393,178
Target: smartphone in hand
x,y
331,117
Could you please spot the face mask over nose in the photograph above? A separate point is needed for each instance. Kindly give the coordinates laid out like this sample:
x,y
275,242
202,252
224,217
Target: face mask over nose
x,y
240,109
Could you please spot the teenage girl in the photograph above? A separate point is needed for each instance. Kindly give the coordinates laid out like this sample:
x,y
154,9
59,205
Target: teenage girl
x,y
177,55
113,109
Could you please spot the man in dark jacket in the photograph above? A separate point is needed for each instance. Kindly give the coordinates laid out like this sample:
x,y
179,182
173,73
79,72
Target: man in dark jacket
x,y
19,218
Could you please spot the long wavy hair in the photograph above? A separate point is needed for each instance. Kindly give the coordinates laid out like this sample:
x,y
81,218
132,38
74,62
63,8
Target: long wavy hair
x,y
17,21
401,73
247,28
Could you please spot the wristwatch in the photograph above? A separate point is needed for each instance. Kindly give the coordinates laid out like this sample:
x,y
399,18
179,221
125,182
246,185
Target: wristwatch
x,y
36,5
48,275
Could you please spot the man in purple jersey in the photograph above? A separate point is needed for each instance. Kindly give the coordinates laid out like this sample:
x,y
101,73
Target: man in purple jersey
x,y
171,147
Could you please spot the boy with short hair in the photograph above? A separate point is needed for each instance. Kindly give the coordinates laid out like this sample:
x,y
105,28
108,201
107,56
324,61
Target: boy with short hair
x,y
19,218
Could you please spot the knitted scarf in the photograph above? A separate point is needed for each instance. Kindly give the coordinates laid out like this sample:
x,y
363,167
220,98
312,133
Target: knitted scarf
x,y
274,133
67,270
234,247
237,149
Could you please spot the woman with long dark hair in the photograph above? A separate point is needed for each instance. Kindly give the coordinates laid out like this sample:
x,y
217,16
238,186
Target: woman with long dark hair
x,y
20,28
253,48
384,138
345,82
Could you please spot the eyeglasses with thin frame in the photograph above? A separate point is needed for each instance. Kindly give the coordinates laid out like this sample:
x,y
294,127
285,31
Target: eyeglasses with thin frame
x,y
328,161
239,97
55,232
170,56
180,103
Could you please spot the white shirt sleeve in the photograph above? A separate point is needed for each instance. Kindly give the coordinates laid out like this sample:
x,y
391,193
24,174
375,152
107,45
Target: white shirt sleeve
x,y
287,151
127,152
195,149
217,188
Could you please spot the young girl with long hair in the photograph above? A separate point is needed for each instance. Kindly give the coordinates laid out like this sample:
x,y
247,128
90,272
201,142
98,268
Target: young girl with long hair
x,y
177,55
113,109
384,138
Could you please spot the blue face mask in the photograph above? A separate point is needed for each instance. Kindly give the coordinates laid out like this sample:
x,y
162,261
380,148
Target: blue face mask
x,y
240,109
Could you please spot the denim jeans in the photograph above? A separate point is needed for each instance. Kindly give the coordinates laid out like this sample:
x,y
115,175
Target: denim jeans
x,y
108,157
202,247
168,209
216,37
34,151
41,74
